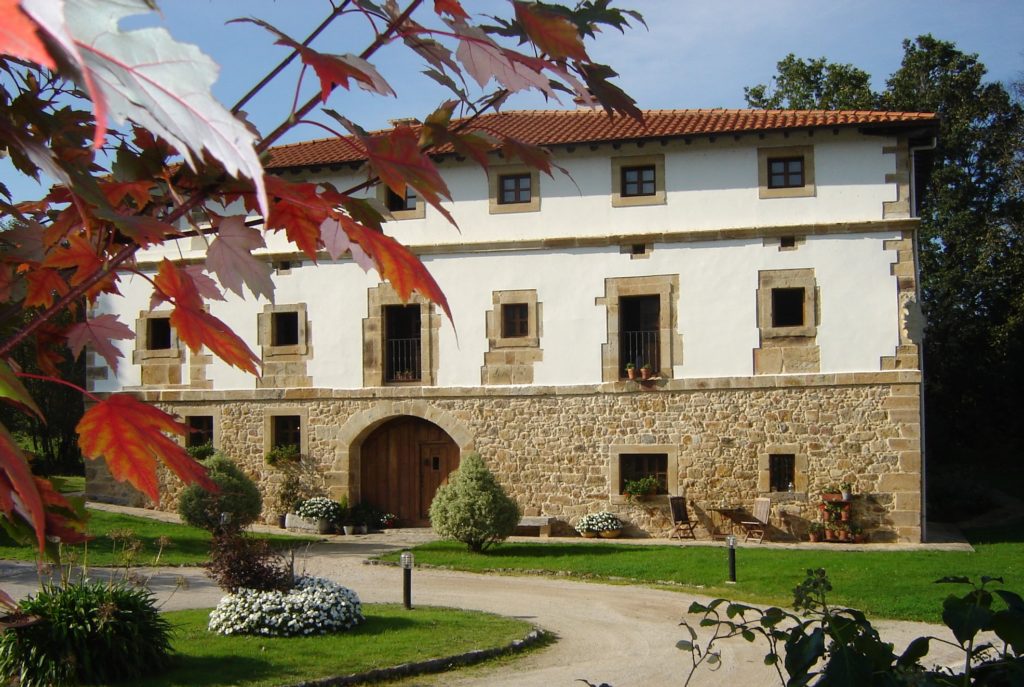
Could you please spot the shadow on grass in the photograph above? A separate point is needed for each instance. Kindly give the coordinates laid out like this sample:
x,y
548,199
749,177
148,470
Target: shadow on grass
x,y
210,670
376,625
558,550
1010,532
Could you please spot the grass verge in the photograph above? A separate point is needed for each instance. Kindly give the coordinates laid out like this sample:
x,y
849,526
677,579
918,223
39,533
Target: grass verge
x,y
186,545
68,484
885,584
390,636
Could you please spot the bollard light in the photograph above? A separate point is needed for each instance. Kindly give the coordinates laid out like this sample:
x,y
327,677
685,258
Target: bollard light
x,y
730,541
406,560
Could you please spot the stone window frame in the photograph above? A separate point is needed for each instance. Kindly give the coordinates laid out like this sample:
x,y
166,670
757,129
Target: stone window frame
x,y
801,478
268,426
764,155
767,281
142,353
615,453
666,287
494,176
494,317
203,411
419,212
264,332
626,161
378,297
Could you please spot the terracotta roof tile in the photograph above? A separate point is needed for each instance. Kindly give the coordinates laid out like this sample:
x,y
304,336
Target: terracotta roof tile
x,y
560,127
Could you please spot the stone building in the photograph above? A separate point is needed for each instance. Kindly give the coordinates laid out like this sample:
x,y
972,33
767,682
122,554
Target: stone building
x,y
763,263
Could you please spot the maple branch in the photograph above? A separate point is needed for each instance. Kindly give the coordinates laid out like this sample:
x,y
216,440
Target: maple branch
x,y
376,45
57,380
338,10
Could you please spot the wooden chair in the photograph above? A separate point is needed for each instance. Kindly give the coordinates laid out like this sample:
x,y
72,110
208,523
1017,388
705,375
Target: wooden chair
x,y
681,524
757,525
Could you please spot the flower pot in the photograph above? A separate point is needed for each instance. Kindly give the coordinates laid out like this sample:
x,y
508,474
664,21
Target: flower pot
x,y
844,515
830,535
349,529
301,524
282,520
645,373
846,495
832,496
813,537
631,372
588,534
610,534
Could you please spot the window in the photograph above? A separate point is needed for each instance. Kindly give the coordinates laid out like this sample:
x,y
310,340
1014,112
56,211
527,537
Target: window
x,y
515,320
786,242
788,307
402,349
633,466
200,430
395,202
158,333
639,332
286,431
785,172
284,329
781,471
514,188
638,180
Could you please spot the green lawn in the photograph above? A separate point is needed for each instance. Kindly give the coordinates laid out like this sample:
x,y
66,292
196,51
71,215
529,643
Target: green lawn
x,y
390,636
186,545
887,584
68,483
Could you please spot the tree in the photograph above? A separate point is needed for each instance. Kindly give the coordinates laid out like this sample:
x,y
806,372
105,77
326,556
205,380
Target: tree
x,y
67,70
972,265
473,508
802,84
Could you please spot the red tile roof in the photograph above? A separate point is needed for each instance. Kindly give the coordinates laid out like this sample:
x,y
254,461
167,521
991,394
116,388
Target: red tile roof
x,y
561,127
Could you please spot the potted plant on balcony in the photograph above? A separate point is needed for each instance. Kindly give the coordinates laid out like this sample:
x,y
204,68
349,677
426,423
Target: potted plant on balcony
x,y
646,371
815,531
641,488
289,495
631,370
846,491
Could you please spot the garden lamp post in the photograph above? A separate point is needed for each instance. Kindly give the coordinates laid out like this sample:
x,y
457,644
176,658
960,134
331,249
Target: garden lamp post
x,y
406,560
730,541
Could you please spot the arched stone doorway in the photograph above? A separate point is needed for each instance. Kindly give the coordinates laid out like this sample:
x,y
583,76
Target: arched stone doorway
x,y
402,463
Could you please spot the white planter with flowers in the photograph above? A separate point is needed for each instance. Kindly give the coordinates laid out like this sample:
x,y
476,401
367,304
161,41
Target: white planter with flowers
x,y
603,524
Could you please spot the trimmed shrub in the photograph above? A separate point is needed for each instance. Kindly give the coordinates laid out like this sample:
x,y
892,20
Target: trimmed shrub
x,y
238,496
313,606
473,508
241,562
87,633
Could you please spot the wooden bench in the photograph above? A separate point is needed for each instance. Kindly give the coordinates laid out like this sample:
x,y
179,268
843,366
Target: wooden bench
x,y
542,522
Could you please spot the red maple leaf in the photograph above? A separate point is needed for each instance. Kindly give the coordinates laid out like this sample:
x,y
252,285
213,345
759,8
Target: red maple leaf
x,y
98,332
398,161
132,436
49,349
299,210
19,37
196,327
79,254
450,7
115,191
42,285
16,480
554,35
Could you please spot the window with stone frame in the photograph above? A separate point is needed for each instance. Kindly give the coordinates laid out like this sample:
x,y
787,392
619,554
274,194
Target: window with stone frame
x,y
515,320
283,333
788,307
158,333
639,332
638,180
781,472
787,303
396,203
286,430
402,343
634,466
786,171
400,206
513,188
284,328
200,430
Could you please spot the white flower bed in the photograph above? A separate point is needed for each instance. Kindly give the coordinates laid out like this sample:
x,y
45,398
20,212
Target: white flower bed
x,y
598,522
313,606
320,508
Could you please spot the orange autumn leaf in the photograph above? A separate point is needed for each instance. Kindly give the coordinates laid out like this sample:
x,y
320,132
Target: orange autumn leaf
x,y
299,210
398,161
16,481
554,35
115,191
19,36
78,254
451,7
132,436
196,327
43,284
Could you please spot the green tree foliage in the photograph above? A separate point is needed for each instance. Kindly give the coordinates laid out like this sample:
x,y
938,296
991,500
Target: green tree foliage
x,y
237,495
803,84
473,508
972,263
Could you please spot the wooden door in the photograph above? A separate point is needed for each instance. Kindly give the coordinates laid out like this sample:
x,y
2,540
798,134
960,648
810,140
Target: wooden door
x,y
403,462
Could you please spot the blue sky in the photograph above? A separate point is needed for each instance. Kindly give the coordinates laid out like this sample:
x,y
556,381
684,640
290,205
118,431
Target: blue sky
x,y
694,54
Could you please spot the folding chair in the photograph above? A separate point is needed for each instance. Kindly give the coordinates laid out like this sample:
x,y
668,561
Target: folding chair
x,y
757,525
681,524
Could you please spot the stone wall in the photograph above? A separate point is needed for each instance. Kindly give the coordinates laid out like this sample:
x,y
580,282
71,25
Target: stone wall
x,y
552,448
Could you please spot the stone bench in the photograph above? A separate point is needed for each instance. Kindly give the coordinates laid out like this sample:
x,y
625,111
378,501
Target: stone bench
x,y
542,522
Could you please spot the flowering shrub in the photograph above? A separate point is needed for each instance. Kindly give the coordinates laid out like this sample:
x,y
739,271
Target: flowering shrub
x,y
598,522
313,606
388,520
321,508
